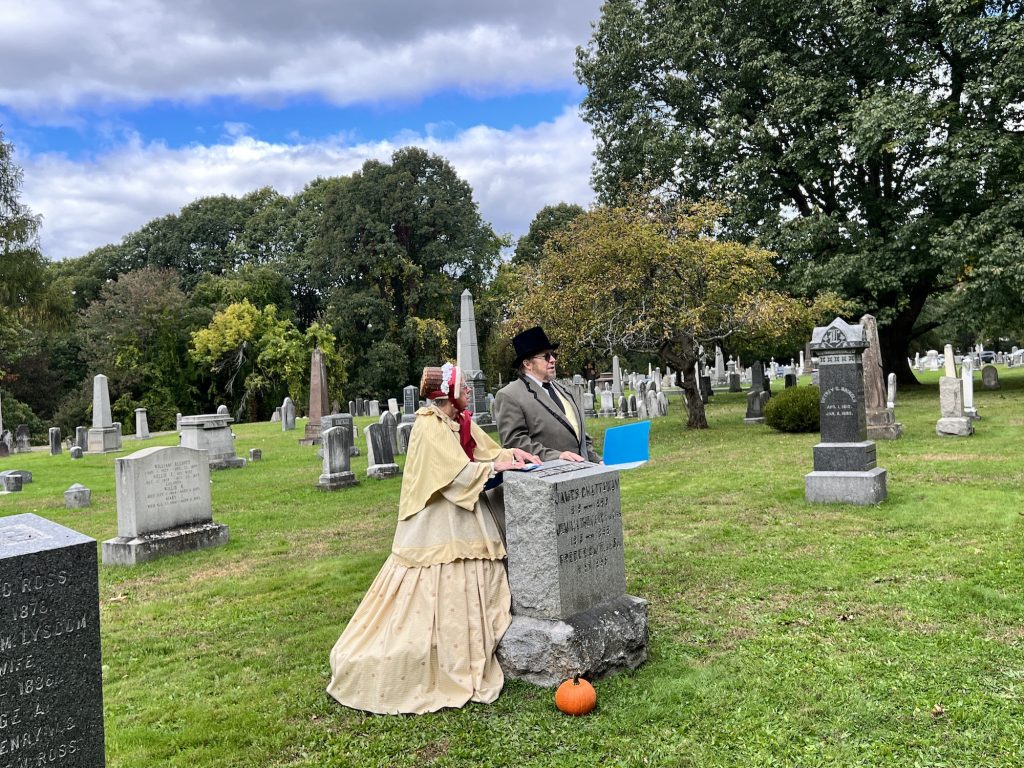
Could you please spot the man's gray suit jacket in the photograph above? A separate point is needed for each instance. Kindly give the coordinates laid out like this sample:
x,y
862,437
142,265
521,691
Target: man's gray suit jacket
x,y
529,419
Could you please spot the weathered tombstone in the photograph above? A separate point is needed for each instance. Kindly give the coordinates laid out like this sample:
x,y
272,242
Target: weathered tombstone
x,y
82,438
616,377
163,506
342,420
393,407
141,424
76,452
949,361
275,417
570,611
953,422
22,441
662,404
631,402
607,404
177,421
117,435
757,376
55,446
380,459
5,444
211,432
706,391
24,474
287,415
374,409
404,433
790,380
52,707
653,409
932,360
255,454
845,468
881,420
734,382
967,375
337,473
222,410
808,361
588,406
318,405
104,436
12,483
335,406
989,377
641,407
410,399
390,427
890,397
351,407
77,497
755,406
620,411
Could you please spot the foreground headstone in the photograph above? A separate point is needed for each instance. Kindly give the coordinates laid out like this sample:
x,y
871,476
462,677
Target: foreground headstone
x,y
380,459
845,470
881,420
570,611
337,471
77,497
211,432
104,436
52,703
24,474
163,506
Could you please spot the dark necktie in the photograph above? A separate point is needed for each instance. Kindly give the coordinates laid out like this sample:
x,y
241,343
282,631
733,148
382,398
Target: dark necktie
x,y
554,396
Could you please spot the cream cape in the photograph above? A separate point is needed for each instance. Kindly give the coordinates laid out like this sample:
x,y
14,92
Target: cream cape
x,y
435,457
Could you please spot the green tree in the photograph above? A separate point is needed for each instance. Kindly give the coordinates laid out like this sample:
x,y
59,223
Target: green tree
x,y
648,277
549,219
875,146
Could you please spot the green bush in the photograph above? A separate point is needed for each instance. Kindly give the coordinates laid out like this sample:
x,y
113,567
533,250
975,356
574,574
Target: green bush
x,y
794,410
15,412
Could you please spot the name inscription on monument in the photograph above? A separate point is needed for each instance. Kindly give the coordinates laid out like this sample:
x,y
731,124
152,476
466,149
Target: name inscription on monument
x,y
171,484
590,529
50,701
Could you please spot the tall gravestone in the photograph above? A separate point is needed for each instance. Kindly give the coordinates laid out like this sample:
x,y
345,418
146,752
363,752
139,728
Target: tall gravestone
x,y
82,438
51,706
22,441
845,469
104,436
55,446
881,420
287,415
141,424
337,472
566,566
967,376
380,458
342,420
211,433
163,506
410,402
404,435
390,426
616,377
469,360
318,405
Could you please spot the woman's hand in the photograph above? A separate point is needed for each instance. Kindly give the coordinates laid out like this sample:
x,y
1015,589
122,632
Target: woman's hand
x,y
527,458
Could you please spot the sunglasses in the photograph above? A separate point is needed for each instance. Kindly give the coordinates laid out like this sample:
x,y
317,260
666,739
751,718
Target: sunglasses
x,y
548,356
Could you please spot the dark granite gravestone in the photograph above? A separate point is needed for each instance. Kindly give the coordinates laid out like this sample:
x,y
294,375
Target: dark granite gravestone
x,y
790,380
22,443
82,438
380,458
51,687
844,460
55,444
566,568
410,399
757,376
989,377
337,458
756,400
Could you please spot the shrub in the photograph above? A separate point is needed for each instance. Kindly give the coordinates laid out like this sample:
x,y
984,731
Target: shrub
x,y
16,412
794,410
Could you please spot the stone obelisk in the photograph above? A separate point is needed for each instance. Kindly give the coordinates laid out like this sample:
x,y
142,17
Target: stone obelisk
x,y
469,359
318,405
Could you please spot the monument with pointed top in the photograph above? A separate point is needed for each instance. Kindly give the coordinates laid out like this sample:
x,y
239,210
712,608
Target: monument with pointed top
x,y
318,405
104,436
469,361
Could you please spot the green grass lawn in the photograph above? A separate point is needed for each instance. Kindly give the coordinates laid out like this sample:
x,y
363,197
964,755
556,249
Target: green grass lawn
x,y
782,634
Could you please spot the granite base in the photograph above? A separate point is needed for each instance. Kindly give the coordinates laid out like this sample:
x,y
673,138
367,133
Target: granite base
x,y
336,481
954,426
607,638
382,471
132,551
885,432
822,487
104,440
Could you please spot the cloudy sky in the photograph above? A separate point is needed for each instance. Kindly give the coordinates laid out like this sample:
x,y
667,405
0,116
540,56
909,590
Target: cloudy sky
x,y
121,112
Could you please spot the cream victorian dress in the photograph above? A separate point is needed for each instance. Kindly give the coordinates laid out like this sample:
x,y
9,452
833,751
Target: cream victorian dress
x,y
424,636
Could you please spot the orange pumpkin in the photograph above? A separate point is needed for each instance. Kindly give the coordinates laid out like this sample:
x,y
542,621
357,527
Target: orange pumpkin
x,y
576,697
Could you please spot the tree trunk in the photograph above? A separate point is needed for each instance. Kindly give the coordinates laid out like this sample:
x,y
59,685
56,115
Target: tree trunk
x,y
684,359
896,337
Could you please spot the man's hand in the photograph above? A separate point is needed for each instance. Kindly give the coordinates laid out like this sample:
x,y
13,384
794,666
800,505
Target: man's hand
x,y
570,456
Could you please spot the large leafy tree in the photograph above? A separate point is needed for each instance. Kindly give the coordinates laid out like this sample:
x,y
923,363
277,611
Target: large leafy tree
x,y
549,220
877,147
646,276
397,244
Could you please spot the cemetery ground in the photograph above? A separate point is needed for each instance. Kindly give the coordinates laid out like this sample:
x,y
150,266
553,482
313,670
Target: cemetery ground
x,y
782,634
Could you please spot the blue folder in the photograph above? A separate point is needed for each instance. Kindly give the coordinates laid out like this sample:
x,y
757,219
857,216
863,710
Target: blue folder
x,y
627,446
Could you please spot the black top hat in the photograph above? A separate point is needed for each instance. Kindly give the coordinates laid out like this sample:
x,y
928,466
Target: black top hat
x,y
530,342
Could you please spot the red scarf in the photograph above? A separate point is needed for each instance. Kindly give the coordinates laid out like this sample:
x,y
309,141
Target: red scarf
x,y
465,419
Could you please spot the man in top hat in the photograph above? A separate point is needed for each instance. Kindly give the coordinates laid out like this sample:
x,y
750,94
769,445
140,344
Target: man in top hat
x,y
533,413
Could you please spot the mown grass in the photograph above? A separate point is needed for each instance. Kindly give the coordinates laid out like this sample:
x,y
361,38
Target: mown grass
x,y
782,634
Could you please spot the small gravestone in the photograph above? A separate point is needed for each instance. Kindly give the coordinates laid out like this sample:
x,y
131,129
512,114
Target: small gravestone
x,y
404,433
177,422
12,483
989,377
55,446
607,404
588,406
757,376
255,454
22,441
755,406
381,460
952,422
82,438
337,473
222,410
845,468
335,406
890,396
105,434
374,409
24,474
390,427
566,566
77,497
662,404
50,657
653,406
631,402
76,452
275,417
706,391
351,407
393,407
932,360
342,420
620,412
410,400
734,382
967,375
211,432
287,415
790,380
163,506
141,424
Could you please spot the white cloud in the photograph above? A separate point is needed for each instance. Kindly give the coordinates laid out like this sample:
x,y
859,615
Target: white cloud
x,y
63,54
89,203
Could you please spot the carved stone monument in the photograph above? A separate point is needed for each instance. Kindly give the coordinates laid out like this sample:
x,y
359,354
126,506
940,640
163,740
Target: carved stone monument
x,y
51,705
163,506
570,611
318,404
845,470
881,420
211,432
104,436
380,459
337,442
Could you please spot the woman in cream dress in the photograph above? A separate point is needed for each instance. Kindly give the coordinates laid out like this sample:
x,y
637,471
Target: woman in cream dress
x,y
424,636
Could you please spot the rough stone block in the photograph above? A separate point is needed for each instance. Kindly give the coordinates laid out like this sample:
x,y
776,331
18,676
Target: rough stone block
x,y
846,487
